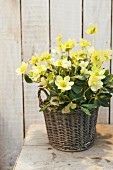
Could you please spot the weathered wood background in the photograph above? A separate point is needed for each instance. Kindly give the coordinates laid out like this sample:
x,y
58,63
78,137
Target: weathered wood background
x,y
31,26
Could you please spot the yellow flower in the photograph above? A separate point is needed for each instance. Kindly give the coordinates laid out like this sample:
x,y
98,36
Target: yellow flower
x,y
74,61
42,68
97,58
55,52
63,83
95,83
96,75
22,68
59,38
33,60
45,56
98,72
66,63
84,71
43,82
83,64
92,29
100,56
63,63
37,71
60,47
50,77
107,54
84,43
59,62
69,45
79,55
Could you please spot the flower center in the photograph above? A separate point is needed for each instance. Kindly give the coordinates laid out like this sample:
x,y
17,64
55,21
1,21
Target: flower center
x,y
83,65
59,63
63,83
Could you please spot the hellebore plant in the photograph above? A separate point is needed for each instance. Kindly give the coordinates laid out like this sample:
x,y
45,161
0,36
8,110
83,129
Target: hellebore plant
x,y
71,79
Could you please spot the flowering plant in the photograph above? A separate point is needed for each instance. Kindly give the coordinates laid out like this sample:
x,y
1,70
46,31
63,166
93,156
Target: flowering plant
x,y
71,79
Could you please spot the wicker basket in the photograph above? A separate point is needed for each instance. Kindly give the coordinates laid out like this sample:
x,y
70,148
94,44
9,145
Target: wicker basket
x,y
71,132
74,131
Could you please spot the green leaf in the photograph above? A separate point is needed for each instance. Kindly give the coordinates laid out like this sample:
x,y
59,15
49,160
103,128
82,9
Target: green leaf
x,y
109,86
64,97
72,95
96,102
80,98
90,106
54,85
107,79
89,93
72,71
85,111
104,96
48,70
62,106
76,89
106,73
53,93
103,102
80,83
44,108
109,89
27,78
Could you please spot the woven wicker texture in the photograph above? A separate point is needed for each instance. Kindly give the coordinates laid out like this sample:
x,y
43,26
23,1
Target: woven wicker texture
x,y
71,132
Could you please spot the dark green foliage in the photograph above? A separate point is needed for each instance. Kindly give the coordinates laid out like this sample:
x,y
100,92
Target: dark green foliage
x,y
76,89
27,78
85,111
89,106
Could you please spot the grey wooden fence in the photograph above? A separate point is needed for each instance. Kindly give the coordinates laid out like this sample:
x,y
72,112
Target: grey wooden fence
x,y
31,26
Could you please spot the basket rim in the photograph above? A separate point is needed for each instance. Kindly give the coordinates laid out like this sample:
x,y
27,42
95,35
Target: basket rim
x,y
71,112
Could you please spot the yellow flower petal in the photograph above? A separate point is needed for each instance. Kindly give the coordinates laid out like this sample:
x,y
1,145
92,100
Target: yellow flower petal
x,y
92,29
33,60
59,38
67,78
84,43
22,69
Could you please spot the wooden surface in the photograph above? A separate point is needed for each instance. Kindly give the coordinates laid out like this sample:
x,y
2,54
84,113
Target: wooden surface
x,y
35,39
99,12
11,114
111,105
37,154
66,19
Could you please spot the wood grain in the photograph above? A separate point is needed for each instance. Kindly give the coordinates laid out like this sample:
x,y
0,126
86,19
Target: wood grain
x,y
11,114
34,155
66,19
35,24
111,104
99,12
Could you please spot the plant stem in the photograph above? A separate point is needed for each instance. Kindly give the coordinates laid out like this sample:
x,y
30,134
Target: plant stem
x,y
86,90
91,99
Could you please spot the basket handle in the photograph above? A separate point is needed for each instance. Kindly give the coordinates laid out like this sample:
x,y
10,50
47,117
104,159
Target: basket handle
x,y
41,102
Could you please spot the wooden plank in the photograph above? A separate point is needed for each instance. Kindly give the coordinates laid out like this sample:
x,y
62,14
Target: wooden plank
x,y
111,104
36,156
99,12
11,114
33,139
35,19
66,19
